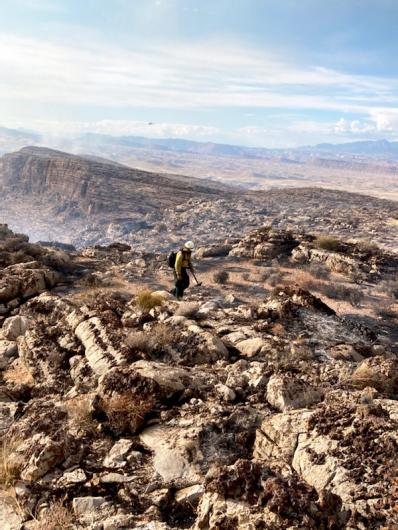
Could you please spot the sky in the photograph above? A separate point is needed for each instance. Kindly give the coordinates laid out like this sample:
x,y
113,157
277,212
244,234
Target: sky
x,y
272,73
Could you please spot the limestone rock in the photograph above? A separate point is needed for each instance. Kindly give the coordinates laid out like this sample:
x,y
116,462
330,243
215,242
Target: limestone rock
x,y
87,505
46,453
14,327
286,392
174,453
252,347
171,379
277,437
101,353
117,455
10,514
8,350
71,478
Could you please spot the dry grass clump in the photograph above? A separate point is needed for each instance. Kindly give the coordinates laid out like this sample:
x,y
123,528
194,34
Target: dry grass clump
x,y
126,412
187,309
275,279
221,277
147,300
387,311
86,295
390,287
158,339
18,373
328,243
163,335
368,247
10,468
265,273
139,341
368,376
278,329
319,271
79,411
56,517
353,295
304,279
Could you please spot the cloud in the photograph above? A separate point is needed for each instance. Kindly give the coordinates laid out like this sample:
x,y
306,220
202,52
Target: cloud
x,y
385,119
209,75
354,126
125,128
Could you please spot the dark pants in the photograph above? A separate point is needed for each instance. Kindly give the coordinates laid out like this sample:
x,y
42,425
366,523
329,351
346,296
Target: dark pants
x,y
180,285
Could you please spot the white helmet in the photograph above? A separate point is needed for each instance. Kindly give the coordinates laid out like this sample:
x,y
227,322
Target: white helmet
x,y
190,245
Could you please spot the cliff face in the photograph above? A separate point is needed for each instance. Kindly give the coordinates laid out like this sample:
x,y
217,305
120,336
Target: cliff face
x,y
93,184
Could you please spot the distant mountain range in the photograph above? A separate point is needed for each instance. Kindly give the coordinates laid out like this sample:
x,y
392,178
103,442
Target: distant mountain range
x,y
10,139
370,147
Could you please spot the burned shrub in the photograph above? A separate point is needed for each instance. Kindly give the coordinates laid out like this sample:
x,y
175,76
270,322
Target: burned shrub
x,y
221,277
126,398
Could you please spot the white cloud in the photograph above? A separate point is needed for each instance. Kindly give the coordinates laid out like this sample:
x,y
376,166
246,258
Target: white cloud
x,y
354,126
385,119
176,76
124,128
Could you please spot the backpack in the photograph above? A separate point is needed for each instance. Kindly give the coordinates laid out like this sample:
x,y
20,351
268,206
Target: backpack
x,y
171,260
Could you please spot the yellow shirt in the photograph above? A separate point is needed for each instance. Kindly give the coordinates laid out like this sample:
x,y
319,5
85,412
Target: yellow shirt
x,y
183,261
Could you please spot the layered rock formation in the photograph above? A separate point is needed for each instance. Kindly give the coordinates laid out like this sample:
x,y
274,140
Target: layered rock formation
x,y
86,201
91,186
141,412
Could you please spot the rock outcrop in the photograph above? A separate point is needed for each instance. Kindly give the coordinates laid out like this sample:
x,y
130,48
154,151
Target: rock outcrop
x,y
117,412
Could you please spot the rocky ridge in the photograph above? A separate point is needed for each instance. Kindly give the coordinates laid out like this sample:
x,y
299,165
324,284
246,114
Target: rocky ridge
x,y
90,201
141,412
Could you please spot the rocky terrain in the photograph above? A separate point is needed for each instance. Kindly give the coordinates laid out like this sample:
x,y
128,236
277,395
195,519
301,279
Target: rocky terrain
x,y
82,201
258,402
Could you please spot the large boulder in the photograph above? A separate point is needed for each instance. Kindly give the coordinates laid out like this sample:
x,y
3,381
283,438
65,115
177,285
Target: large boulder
x,y
45,453
265,243
25,280
276,439
213,251
171,379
